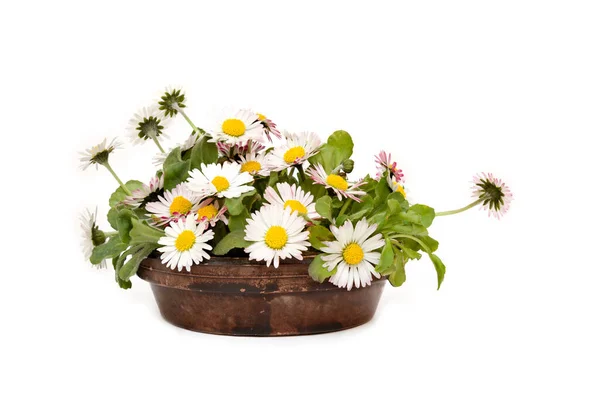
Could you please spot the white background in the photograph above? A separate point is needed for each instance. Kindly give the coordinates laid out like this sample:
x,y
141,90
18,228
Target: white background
x,y
450,88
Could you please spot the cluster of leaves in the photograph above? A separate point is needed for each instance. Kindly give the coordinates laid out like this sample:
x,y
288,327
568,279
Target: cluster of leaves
x,y
404,227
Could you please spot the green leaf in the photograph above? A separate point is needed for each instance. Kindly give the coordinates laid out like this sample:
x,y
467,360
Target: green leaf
x,y
124,224
119,195
174,157
117,264
440,268
130,267
398,277
319,234
142,233
203,152
430,242
236,206
176,173
387,257
323,207
234,240
317,271
414,230
112,217
238,222
338,148
382,191
425,213
110,249
410,253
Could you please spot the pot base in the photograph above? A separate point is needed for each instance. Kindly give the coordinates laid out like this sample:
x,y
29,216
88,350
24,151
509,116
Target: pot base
x,y
237,297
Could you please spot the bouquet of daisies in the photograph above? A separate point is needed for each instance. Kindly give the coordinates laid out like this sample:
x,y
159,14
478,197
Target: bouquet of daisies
x,y
243,188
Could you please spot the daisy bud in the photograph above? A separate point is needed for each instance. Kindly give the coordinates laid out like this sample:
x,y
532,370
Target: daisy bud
x,y
348,166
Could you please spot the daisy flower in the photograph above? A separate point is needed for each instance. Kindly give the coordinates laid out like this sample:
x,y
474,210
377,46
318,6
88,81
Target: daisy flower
x,y
184,244
146,193
148,123
210,213
276,235
171,102
292,198
254,164
173,205
92,236
99,153
231,151
396,186
340,185
385,163
221,180
238,128
494,195
352,253
297,149
269,127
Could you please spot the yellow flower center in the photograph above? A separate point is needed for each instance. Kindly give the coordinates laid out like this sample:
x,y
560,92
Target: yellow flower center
x,y
294,153
251,167
261,117
221,183
337,182
180,205
295,205
185,240
401,190
276,237
233,127
353,254
208,212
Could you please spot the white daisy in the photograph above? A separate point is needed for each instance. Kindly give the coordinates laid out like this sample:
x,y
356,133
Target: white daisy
x,y
296,149
144,194
494,195
269,127
185,244
173,205
99,153
92,236
254,164
395,185
276,235
292,198
238,127
147,123
221,180
210,213
353,254
337,183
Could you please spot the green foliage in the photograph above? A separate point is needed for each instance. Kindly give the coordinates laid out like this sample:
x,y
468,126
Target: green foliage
x,y
113,247
125,224
317,271
426,214
319,234
141,233
324,208
234,240
203,152
175,168
440,268
119,195
236,206
238,222
138,253
398,277
387,257
338,148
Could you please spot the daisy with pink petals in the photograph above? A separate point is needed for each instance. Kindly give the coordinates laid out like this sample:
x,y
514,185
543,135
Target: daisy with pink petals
x,y
385,163
210,212
146,192
173,205
493,194
269,127
293,199
337,183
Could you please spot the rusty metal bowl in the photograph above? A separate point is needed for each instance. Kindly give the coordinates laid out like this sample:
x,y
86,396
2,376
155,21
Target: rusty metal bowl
x,y
235,296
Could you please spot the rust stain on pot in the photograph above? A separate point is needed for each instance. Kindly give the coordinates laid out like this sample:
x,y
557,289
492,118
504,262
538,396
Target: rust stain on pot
x,y
234,296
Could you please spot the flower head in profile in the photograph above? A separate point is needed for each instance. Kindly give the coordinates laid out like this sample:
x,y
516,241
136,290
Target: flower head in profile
x,y
147,193
147,123
232,151
99,153
337,183
184,244
296,150
172,101
385,163
353,254
173,205
237,128
276,234
210,213
91,236
396,186
220,180
269,127
292,198
495,196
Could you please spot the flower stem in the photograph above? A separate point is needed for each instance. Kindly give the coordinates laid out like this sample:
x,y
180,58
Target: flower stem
x,y
301,175
110,234
451,212
108,167
158,144
345,206
188,120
